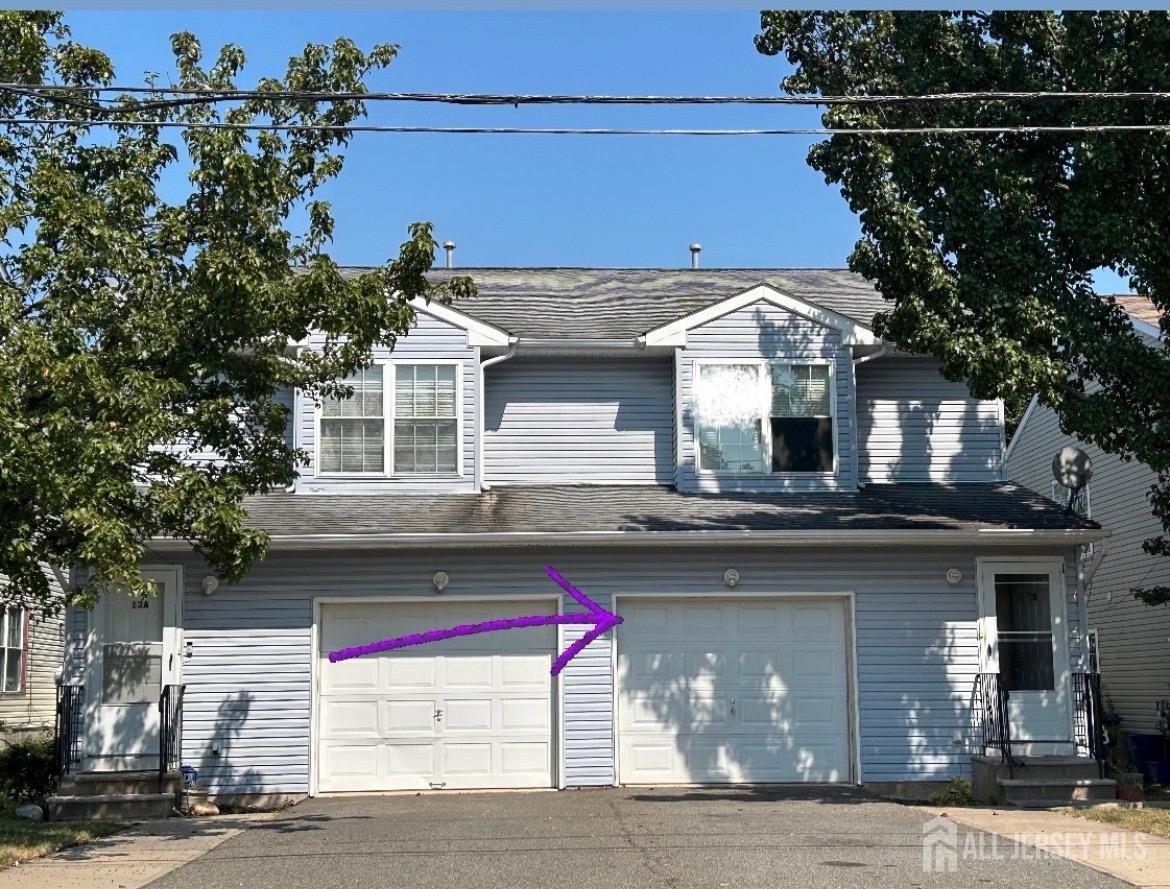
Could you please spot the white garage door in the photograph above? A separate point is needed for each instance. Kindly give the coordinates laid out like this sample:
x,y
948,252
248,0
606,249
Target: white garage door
x,y
470,712
732,690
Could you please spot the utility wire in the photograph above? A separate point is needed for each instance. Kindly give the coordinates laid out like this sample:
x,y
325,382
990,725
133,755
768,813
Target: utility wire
x,y
592,131
211,94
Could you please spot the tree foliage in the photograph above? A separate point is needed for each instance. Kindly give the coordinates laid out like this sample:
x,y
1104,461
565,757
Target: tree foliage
x,y
986,244
129,321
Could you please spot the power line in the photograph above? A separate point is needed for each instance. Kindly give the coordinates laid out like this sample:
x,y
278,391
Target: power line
x,y
591,131
211,94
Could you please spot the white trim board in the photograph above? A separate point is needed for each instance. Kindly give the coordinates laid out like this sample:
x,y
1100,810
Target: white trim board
x,y
675,333
831,538
479,333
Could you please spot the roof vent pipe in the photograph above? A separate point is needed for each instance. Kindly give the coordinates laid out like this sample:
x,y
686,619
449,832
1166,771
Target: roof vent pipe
x,y
696,249
449,246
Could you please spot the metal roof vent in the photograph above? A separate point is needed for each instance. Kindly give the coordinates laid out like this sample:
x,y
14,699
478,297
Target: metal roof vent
x,y
696,249
449,246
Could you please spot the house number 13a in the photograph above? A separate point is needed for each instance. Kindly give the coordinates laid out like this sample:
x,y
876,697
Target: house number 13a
x,y
140,603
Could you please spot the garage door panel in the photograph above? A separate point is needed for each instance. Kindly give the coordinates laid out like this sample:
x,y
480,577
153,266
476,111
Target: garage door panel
x,y
357,675
408,716
525,670
468,672
524,714
761,696
407,672
350,718
378,724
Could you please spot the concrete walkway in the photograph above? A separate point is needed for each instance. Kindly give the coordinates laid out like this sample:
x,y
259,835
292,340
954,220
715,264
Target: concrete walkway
x,y
1138,858
130,859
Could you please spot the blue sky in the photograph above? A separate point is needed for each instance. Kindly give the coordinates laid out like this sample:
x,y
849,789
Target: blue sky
x,y
546,200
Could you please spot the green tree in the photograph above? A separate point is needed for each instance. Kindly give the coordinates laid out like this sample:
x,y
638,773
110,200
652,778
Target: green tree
x,y
985,244
128,321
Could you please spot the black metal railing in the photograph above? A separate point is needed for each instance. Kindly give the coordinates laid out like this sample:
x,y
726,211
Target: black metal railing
x,y
170,732
992,722
1088,718
990,711
67,731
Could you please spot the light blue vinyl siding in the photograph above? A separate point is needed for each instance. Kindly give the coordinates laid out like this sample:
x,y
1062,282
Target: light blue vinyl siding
x,y
914,425
576,422
430,340
763,330
248,680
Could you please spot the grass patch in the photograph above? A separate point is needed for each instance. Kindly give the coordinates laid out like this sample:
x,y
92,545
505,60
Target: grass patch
x,y
22,840
1152,821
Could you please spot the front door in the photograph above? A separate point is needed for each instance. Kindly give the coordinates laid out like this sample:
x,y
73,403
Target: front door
x,y
1024,637
132,652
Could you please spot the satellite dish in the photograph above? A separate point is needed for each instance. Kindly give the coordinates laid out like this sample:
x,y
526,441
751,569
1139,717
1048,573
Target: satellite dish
x,y
1072,468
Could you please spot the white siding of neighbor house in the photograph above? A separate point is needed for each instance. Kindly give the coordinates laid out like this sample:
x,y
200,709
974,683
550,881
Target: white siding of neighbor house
x,y
430,340
578,422
763,330
1133,638
248,679
914,425
35,705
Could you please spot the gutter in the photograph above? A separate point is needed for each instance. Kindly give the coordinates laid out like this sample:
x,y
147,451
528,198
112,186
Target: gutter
x,y
479,397
722,537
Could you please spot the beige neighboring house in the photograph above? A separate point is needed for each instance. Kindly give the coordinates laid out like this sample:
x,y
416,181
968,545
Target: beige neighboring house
x,y
31,648
1132,639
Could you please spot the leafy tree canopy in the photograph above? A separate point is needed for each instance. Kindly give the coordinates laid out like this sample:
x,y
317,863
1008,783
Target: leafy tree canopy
x,y
986,244
128,320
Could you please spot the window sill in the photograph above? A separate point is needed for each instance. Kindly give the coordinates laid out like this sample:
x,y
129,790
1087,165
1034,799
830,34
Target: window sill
x,y
721,473
383,477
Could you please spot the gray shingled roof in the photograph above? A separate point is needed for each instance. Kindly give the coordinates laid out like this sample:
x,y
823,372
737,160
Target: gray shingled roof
x,y
625,303
576,508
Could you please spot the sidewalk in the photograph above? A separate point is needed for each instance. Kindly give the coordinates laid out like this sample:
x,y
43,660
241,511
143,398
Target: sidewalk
x,y
130,859
1137,858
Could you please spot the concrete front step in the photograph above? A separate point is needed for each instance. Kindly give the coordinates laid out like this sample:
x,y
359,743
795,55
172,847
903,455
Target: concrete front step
x,y
1054,791
107,783
110,807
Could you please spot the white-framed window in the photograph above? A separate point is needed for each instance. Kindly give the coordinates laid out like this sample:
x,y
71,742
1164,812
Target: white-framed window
x,y
426,419
352,431
765,417
403,419
12,649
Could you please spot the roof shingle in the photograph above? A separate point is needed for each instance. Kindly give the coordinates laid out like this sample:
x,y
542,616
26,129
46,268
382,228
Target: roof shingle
x,y
628,508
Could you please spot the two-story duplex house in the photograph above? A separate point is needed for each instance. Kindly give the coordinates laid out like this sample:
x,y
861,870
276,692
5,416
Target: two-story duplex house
x,y
805,531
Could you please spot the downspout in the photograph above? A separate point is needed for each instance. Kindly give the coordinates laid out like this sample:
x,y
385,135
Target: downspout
x,y
479,483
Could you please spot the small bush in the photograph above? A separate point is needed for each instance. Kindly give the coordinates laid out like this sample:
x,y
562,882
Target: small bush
x,y
956,793
26,770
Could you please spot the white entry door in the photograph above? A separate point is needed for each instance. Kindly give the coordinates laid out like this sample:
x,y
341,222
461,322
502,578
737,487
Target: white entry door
x,y
131,653
470,712
732,691
1025,640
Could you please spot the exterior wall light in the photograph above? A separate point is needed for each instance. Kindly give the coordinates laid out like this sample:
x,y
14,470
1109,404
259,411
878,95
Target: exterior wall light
x,y
731,578
440,580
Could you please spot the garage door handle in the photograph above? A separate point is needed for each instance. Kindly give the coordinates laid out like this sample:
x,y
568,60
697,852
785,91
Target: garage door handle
x,y
732,712
438,716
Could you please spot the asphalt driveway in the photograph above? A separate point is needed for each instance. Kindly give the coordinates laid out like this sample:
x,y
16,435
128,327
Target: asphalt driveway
x,y
598,839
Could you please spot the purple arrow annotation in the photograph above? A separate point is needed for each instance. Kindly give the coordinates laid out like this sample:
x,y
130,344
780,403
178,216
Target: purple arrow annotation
x,y
601,618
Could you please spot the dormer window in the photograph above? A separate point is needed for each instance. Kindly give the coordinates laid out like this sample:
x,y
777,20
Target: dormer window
x,y
402,420
761,417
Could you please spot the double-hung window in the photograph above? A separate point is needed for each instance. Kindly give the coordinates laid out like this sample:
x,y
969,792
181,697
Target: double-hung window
x,y
353,430
402,419
763,417
426,425
12,649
